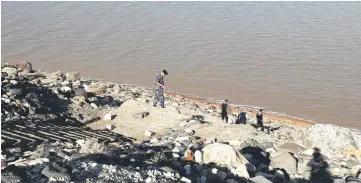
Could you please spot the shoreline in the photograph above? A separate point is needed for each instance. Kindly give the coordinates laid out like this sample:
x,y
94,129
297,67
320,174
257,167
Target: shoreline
x,y
236,108
270,116
73,114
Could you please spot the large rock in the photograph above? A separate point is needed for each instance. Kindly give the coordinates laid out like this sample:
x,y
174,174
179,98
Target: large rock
x,y
226,155
285,161
331,139
291,147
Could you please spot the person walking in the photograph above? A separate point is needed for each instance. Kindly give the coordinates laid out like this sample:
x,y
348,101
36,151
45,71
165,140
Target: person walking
x,y
224,113
159,89
259,117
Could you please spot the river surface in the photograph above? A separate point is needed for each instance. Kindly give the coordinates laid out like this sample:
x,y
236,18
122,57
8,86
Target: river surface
x,y
297,58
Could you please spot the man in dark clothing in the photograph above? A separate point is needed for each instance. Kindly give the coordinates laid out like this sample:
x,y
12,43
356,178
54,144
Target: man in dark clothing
x,y
224,113
260,119
242,117
159,89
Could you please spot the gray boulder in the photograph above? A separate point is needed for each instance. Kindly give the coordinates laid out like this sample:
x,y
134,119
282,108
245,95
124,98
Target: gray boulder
x,y
226,155
285,161
291,147
80,92
260,179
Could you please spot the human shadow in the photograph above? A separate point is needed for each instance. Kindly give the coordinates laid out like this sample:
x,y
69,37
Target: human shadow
x,y
268,128
319,168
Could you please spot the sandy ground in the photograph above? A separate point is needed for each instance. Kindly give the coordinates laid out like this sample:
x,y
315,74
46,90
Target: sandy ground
x,y
162,121
159,120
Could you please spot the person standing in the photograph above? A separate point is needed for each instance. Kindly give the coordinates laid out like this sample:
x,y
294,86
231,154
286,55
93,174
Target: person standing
x,y
259,117
159,89
224,113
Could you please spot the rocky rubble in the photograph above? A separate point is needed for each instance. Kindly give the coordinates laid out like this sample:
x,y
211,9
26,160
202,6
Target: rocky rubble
x,y
45,139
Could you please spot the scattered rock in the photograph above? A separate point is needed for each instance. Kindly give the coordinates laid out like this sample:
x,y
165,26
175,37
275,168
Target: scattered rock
x,y
148,133
185,180
58,173
260,179
226,155
352,163
291,147
285,161
110,127
80,92
141,115
198,156
72,76
93,105
10,71
235,143
107,117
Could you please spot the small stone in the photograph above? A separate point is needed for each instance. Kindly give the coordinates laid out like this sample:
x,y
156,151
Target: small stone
x,y
5,100
107,117
352,163
80,92
260,179
291,147
335,171
236,143
65,89
14,82
12,72
185,180
190,131
94,105
80,142
176,150
110,127
148,180
148,133
198,156
154,140
183,124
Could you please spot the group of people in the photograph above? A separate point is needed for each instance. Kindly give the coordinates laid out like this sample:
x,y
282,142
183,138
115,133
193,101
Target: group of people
x,y
242,117
159,98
